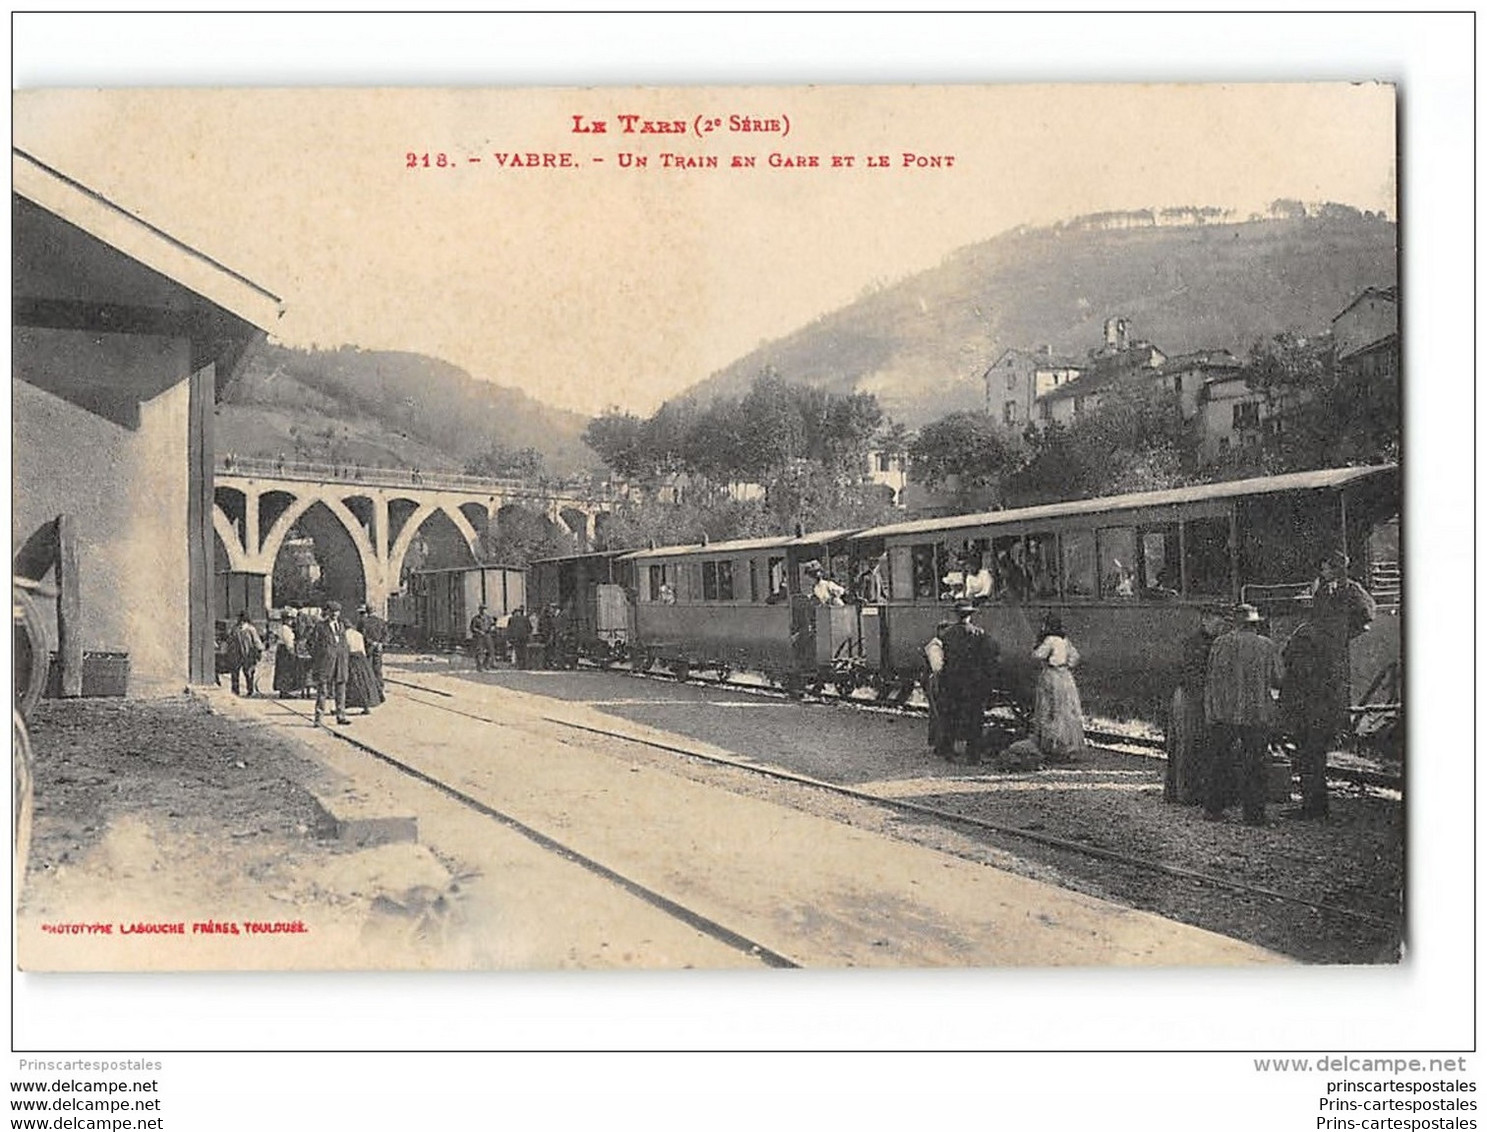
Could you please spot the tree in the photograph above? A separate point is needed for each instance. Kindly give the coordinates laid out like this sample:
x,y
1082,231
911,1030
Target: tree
x,y
967,445
1329,415
501,462
1133,439
619,440
517,536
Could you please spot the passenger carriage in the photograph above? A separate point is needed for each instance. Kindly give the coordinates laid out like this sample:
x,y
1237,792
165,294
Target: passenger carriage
x,y
742,605
1128,575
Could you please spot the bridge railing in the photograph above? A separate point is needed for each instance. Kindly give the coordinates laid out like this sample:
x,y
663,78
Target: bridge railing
x,y
405,477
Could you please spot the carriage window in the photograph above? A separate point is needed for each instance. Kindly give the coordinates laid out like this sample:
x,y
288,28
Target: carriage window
x,y
1117,554
1079,564
1013,579
778,589
1208,557
725,580
926,579
710,581
967,571
658,577
1042,565
900,572
1161,568
753,579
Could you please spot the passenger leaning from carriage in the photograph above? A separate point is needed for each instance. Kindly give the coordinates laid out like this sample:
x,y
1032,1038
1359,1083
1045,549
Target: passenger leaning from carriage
x,y
1187,727
965,684
1243,667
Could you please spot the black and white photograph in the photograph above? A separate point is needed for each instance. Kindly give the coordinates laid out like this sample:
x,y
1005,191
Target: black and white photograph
x,y
521,538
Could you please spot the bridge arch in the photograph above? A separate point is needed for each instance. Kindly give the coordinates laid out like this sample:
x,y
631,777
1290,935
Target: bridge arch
x,y
410,529
237,557
274,541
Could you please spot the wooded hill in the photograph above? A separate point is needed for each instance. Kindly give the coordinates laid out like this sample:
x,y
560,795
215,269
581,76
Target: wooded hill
x,y
389,408
922,344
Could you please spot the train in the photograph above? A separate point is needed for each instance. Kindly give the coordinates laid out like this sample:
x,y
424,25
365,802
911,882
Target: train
x,y
1128,575
435,609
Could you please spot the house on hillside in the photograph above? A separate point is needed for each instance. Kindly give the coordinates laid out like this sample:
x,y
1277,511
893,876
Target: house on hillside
x,y
121,339
1187,375
1365,336
1119,360
1016,380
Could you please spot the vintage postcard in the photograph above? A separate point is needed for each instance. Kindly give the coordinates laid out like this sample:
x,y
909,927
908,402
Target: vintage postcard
x,y
707,528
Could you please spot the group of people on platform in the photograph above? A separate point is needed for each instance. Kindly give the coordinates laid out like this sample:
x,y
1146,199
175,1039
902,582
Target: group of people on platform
x,y
543,640
1238,689
961,672
1225,710
319,652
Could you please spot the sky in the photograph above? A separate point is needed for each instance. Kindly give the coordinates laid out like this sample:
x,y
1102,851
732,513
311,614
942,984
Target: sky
x,y
601,284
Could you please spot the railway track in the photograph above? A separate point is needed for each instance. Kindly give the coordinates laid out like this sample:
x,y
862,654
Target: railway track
x,y
938,814
1115,742
689,916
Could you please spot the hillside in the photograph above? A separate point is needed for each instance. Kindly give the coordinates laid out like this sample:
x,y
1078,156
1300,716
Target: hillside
x,y
380,407
921,345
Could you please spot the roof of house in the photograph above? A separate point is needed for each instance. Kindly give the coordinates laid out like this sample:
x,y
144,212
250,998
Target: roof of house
x,y
1040,358
1201,359
1106,370
1388,294
99,217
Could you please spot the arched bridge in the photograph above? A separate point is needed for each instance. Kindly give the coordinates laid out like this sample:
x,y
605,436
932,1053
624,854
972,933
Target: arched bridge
x,y
258,502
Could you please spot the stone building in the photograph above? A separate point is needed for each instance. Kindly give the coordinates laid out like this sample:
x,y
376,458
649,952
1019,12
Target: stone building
x,y
121,336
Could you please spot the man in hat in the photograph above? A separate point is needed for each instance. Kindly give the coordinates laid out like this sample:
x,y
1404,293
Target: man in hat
x,y
1187,729
965,683
480,639
1243,667
244,651
330,661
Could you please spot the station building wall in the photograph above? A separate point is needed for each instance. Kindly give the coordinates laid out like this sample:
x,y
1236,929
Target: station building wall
x,y
100,430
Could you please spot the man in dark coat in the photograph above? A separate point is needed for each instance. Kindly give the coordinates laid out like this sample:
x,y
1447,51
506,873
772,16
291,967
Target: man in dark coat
x,y
1187,729
330,661
1243,667
1340,610
480,639
1308,711
965,684
244,650
519,633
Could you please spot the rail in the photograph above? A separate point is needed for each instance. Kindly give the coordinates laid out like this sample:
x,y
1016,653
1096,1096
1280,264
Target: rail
x,y
229,465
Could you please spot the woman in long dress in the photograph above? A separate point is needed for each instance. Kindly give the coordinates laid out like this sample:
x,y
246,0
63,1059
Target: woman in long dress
x,y
288,672
362,689
1058,716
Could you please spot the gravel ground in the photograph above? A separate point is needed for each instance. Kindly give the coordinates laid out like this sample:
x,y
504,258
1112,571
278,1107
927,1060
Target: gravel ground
x,y
1352,864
